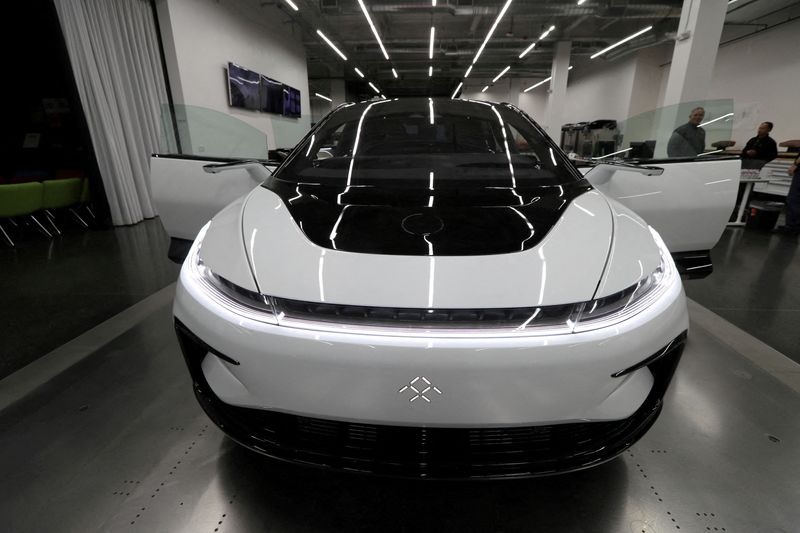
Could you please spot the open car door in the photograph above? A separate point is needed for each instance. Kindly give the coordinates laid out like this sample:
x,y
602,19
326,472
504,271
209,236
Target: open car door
x,y
688,202
189,190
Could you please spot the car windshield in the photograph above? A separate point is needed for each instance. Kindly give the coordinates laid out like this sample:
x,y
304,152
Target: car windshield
x,y
428,143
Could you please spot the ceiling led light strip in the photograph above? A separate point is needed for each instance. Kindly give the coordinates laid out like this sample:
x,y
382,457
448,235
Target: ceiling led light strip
x,y
716,119
546,32
623,41
359,72
292,5
542,36
323,97
525,52
485,89
466,74
377,91
430,46
394,73
535,85
328,41
501,74
491,31
457,89
430,71
373,28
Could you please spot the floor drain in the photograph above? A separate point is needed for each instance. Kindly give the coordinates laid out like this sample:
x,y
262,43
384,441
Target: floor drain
x,y
773,438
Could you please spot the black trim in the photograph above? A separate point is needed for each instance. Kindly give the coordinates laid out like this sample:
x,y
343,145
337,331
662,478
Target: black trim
x,y
694,265
163,58
210,159
666,350
430,452
186,336
463,221
696,159
178,249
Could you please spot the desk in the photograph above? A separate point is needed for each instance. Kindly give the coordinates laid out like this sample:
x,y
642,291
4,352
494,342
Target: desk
x,y
748,188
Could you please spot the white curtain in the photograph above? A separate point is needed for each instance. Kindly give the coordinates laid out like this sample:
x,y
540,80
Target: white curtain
x,y
114,53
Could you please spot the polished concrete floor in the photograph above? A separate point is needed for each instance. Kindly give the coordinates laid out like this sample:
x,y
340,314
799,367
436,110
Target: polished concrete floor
x,y
118,443
55,289
756,286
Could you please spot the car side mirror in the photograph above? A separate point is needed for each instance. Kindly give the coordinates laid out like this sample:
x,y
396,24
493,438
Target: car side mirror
x,y
255,168
602,172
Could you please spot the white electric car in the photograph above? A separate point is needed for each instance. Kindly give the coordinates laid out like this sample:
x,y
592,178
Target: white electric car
x,y
430,288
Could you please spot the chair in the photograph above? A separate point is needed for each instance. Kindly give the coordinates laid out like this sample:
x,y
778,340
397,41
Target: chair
x,y
62,194
86,198
20,199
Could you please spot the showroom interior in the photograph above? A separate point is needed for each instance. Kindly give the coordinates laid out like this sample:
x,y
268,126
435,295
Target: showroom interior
x,y
131,123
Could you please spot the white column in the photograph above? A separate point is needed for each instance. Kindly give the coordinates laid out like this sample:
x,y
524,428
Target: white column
x,y
557,93
692,66
695,51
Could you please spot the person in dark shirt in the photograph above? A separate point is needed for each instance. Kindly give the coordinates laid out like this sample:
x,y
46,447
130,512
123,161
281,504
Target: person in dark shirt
x,y
761,149
688,140
792,226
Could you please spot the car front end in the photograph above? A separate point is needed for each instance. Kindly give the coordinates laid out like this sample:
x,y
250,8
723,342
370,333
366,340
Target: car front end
x,y
529,352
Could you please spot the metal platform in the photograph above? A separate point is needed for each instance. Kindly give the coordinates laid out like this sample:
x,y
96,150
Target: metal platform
x,y
116,442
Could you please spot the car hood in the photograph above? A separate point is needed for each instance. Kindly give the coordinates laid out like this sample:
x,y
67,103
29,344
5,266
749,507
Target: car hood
x,y
564,267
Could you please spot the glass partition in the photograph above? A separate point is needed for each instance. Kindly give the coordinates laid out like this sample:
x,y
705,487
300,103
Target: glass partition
x,y
685,130
199,131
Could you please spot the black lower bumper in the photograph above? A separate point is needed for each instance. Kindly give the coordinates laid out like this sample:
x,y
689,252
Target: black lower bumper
x,y
420,452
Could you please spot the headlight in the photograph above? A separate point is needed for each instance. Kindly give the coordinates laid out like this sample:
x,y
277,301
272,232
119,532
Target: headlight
x,y
225,293
623,305
546,320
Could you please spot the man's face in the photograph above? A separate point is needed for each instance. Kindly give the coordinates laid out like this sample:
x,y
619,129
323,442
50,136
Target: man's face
x,y
763,129
697,116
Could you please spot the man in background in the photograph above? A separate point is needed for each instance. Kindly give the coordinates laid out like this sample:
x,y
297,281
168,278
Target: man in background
x,y
688,140
761,149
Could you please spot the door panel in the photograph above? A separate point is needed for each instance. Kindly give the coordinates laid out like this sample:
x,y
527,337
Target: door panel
x,y
689,204
187,196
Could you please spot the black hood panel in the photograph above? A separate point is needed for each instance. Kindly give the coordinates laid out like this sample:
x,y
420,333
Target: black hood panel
x,y
415,221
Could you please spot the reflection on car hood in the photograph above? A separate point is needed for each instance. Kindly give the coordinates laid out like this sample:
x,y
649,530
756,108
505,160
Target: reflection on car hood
x,y
421,221
564,267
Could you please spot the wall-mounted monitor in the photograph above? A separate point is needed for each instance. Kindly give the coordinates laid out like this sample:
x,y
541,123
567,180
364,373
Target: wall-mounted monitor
x,y
291,101
271,96
243,87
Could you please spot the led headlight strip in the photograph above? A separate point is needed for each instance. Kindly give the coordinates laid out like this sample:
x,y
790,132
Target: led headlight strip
x,y
623,305
236,299
534,321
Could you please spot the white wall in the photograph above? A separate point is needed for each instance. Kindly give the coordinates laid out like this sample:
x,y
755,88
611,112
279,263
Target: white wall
x,y
762,75
201,36
599,91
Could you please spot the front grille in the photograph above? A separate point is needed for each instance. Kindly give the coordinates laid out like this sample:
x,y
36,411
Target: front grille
x,y
442,453
400,317
434,452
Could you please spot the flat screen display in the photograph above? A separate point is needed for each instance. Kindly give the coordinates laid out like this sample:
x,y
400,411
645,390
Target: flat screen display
x,y
271,95
243,87
291,101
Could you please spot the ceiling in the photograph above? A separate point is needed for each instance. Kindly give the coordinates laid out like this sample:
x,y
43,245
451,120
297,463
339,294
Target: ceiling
x,y
462,26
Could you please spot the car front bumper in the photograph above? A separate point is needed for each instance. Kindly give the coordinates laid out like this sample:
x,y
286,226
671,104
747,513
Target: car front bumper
x,y
430,407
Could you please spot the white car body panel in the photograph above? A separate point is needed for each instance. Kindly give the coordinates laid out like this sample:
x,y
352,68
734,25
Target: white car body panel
x,y
186,196
286,264
223,247
689,204
633,255
498,381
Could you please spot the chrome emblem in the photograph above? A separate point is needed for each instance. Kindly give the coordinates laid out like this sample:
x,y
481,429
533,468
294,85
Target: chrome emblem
x,y
420,386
